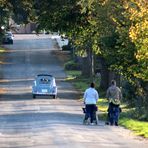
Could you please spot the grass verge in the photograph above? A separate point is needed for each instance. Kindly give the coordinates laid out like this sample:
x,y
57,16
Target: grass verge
x,y
140,128
2,50
79,82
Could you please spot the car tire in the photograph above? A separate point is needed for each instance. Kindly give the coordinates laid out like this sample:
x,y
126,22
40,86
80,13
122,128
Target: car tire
x,y
34,96
54,96
11,42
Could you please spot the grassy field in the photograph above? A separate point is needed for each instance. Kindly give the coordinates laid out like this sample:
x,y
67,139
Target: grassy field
x,y
2,50
126,119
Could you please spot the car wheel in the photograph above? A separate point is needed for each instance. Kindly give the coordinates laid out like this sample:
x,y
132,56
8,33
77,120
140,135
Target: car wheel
x,y
11,42
34,96
54,96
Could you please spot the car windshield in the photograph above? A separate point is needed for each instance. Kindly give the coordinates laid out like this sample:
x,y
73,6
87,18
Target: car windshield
x,y
44,80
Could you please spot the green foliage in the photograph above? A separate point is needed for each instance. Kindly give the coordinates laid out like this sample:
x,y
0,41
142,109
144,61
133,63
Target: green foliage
x,y
120,35
71,65
19,10
79,81
102,104
66,47
4,15
128,93
140,128
2,50
55,15
74,73
23,11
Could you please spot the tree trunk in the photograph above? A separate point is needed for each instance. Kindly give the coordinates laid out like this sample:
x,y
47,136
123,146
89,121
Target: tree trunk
x,y
114,76
104,75
85,67
88,64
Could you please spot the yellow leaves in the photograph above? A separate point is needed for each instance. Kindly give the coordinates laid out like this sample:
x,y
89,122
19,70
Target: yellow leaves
x,y
132,27
138,31
77,42
139,36
96,49
136,9
2,2
133,33
141,55
114,20
103,2
142,58
92,22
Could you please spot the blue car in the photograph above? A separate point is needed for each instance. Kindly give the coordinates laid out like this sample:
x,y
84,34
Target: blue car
x,y
44,85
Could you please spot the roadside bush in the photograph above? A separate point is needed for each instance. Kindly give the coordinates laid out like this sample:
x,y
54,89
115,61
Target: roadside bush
x,y
135,96
128,91
66,47
71,65
1,36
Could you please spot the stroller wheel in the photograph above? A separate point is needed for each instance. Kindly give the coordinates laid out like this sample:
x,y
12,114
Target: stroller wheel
x,y
107,123
96,122
86,122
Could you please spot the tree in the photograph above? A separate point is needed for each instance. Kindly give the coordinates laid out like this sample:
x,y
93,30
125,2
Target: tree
x,y
19,10
54,15
23,11
127,53
4,15
121,35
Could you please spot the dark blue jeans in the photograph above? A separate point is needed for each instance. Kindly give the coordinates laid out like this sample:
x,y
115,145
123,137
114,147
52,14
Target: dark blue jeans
x,y
113,113
90,112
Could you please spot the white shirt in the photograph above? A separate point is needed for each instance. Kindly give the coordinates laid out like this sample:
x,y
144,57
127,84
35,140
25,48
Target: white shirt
x,y
91,96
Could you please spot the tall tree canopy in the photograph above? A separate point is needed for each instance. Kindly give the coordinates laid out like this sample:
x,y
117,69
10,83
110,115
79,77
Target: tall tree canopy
x,y
19,10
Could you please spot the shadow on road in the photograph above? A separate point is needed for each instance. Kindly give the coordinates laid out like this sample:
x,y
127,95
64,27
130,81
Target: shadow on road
x,y
21,97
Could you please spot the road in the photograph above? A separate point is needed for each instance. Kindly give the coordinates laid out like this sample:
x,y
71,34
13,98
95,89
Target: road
x,y
45,122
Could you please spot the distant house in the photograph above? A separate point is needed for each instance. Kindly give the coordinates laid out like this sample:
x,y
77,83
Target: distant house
x,y
26,29
23,28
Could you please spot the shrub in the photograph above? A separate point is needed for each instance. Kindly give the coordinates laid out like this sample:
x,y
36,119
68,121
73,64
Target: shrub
x,y
71,65
66,47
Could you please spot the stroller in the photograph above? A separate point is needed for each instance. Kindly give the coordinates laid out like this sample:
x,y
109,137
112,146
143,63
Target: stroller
x,y
113,114
87,122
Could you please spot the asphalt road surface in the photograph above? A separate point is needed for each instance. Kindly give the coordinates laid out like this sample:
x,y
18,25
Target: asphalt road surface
x,y
45,122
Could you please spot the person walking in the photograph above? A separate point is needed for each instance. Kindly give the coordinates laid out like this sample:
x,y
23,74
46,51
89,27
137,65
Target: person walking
x,y
114,97
90,97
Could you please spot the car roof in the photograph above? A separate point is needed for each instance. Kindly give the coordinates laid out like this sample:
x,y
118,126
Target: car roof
x,y
44,75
